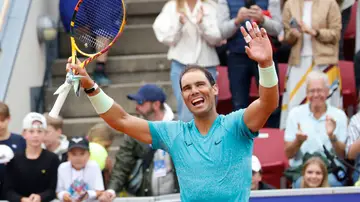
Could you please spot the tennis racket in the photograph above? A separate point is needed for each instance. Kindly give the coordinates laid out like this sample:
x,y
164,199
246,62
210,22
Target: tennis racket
x,y
94,28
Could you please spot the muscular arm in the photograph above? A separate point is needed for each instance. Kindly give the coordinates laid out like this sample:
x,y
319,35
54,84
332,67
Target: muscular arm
x,y
291,148
120,120
339,148
258,112
354,150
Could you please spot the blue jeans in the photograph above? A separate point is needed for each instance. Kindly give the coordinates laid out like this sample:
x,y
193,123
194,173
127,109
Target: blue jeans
x,y
176,69
333,182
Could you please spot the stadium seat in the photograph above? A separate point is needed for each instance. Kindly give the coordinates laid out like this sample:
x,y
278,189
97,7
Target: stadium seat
x,y
224,105
348,85
269,148
223,83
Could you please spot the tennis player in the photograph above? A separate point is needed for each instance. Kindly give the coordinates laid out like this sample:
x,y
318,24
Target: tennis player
x,y
212,153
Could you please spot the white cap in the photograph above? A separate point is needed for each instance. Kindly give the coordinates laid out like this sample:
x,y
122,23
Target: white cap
x,y
30,118
6,154
256,166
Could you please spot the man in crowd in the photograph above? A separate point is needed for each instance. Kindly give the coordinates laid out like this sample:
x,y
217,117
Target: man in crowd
x,y
157,170
311,126
256,182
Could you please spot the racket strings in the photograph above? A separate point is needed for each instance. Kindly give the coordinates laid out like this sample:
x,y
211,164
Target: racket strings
x,y
98,22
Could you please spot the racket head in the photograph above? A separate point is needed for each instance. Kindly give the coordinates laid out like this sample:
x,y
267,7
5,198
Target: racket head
x,y
95,26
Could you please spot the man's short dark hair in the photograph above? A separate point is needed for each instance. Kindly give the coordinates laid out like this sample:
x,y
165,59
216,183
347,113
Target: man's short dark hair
x,y
192,68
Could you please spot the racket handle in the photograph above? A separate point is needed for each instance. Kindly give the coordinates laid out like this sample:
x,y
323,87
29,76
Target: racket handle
x,y
60,100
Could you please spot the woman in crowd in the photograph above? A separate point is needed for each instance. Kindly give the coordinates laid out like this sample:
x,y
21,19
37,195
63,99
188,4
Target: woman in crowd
x,y
314,174
189,28
314,37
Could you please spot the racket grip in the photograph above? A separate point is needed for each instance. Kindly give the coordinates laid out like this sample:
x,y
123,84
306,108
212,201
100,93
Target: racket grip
x,y
60,100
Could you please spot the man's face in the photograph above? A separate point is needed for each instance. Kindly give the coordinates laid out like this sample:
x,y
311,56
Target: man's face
x,y
78,157
35,136
197,92
255,180
145,109
317,92
52,136
4,123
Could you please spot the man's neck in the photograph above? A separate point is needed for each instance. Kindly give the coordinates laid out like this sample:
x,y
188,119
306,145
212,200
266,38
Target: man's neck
x,y
159,116
318,111
5,135
156,116
53,146
33,152
204,123
191,4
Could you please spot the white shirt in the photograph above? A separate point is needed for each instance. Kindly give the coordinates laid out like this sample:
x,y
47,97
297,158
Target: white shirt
x,y
307,45
69,180
189,43
315,129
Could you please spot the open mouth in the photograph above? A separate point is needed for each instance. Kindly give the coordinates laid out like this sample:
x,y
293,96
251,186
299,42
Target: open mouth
x,y
197,102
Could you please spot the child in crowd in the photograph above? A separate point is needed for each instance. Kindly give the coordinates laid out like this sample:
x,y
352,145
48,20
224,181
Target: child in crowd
x,y
31,176
79,179
101,138
54,140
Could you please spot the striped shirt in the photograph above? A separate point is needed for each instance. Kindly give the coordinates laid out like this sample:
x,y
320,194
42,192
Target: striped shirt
x,y
353,131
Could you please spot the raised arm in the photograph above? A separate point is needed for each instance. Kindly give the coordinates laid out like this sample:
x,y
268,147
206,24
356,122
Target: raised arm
x,y
111,112
260,50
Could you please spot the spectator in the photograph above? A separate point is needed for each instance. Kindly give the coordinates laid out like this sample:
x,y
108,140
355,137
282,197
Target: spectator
x,y
313,125
79,178
66,8
345,8
189,28
357,70
31,176
231,15
314,174
136,157
101,138
357,49
315,45
54,140
256,182
14,141
353,143
102,134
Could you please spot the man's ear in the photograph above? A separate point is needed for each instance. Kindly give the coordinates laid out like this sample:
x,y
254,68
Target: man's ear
x,y
215,89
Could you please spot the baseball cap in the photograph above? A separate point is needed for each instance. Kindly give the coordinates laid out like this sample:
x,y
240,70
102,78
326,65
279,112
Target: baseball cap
x,y
30,118
148,92
78,142
256,166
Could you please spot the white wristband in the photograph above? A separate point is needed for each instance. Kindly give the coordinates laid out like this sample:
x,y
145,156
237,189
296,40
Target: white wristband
x,y
101,102
268,77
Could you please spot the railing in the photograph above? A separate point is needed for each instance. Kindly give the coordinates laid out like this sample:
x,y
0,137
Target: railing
x,y
346,194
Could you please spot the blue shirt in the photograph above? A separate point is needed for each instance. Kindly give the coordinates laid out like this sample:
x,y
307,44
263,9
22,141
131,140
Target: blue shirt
x,y
212,167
